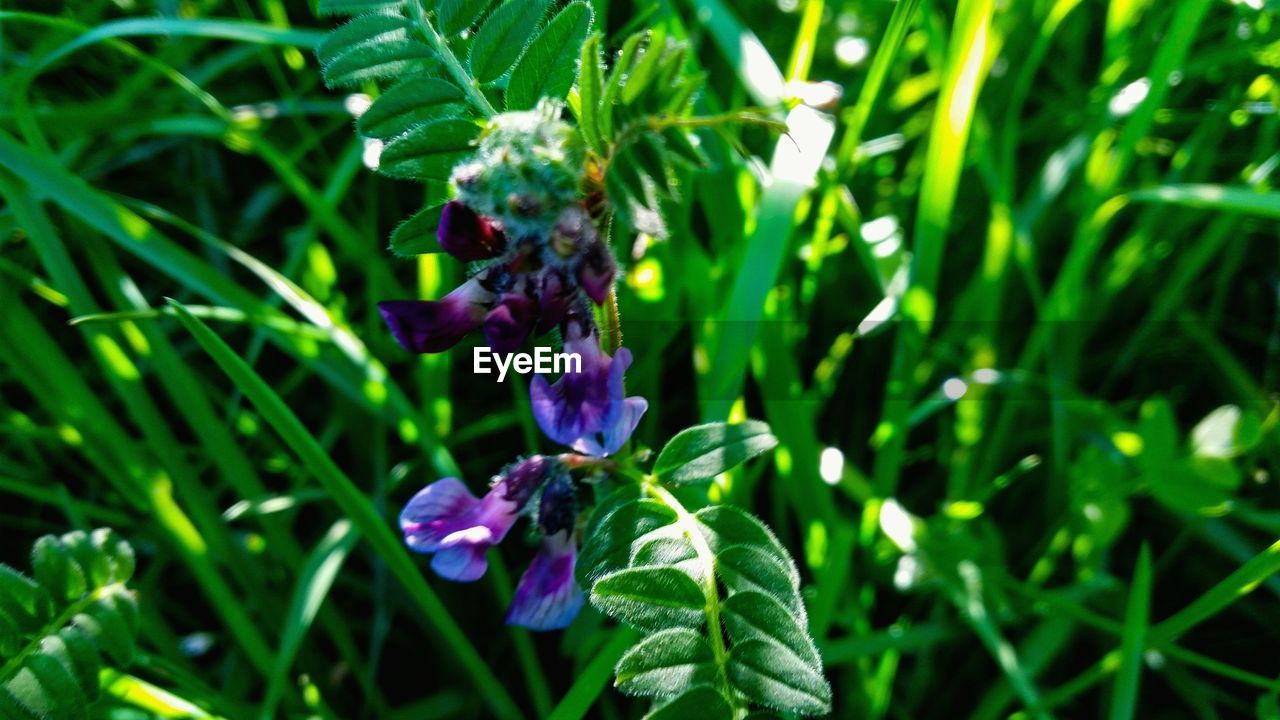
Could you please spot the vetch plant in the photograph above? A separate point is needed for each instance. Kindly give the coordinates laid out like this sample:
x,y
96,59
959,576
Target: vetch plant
x,y
58,629
535,193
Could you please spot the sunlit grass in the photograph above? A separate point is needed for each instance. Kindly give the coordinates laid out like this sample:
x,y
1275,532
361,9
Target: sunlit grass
x,y
1010,306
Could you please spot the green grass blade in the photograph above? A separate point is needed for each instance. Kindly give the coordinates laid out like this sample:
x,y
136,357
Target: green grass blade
x,y
1124,694
1243,581
356,507
314,582
593,679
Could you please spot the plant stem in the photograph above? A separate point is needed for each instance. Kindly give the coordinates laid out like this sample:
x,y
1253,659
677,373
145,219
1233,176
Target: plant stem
x,y
451,62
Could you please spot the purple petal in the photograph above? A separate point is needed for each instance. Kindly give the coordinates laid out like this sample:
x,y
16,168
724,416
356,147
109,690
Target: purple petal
x,y
596,271
423,327
633,408
507,326
575,405
434,512
467,236
616,435
547,597
554,297
464,562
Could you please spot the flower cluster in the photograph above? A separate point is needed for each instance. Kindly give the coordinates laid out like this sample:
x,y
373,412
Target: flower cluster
x,y
516,212
544,262
585,410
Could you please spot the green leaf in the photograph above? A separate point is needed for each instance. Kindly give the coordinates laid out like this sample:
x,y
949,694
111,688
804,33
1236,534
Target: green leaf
x,y
503,37
667,662
430,151
372,47
48,690
700,703
356,7
417,235
614,85
56,570
364,30
111,622
725,526
756,616
743,568
53,629
1159,432
410,104
650,598
704,451
82,655
454,16
609,546
1199,485
777,679
590,89
21,599
549,66
674,551
681,145
642,71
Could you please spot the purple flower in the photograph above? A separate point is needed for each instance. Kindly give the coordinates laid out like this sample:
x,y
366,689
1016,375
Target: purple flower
x,y
446,520
547,596
467,236
586,410
596,271
434,326
507,326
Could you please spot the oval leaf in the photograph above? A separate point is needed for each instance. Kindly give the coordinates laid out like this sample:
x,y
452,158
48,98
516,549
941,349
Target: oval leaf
x,y
608,547
747,569
704,451
652,598
429,152
777,679
417,235
756,616
454,16
503,36
408,105
550,64
724,526
667,662
700,703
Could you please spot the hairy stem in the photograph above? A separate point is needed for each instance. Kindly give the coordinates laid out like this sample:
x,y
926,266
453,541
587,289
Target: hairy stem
x,y
451,62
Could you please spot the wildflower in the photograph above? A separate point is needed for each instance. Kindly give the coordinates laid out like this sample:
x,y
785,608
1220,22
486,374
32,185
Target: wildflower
x,y
445,520
517,211
586,410
467,236
547,596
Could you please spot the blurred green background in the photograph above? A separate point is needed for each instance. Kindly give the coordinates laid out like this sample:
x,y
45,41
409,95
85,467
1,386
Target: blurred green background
x,y
1016,321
